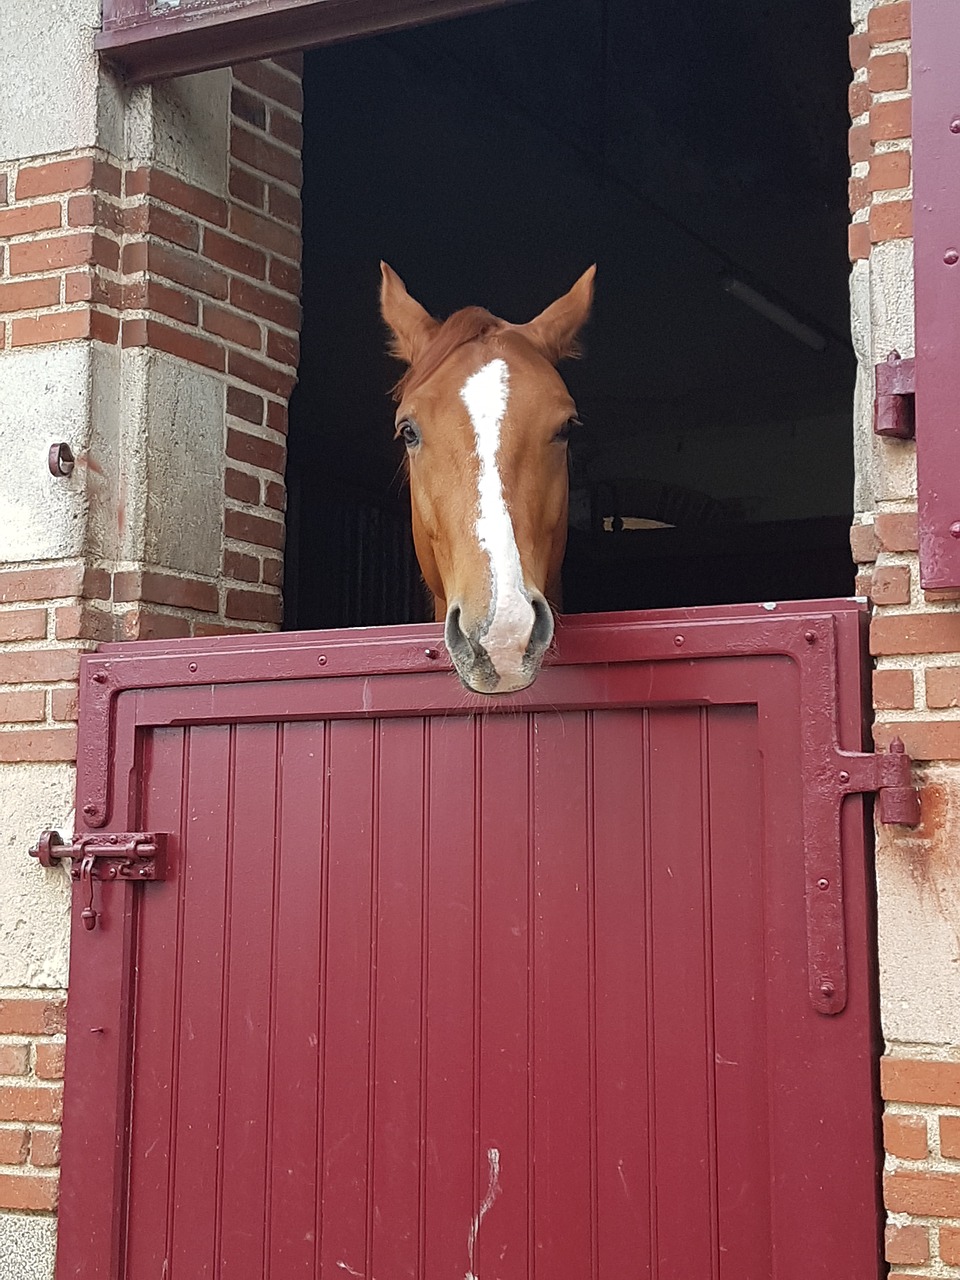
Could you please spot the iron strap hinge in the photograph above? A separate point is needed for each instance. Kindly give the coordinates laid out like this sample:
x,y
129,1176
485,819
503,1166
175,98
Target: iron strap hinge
x,y
101,855
887,773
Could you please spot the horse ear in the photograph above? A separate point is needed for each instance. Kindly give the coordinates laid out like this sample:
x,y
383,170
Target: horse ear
x,y
554,331
411,325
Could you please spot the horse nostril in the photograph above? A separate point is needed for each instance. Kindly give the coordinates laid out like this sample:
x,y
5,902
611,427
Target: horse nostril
x,y
456,641
542,631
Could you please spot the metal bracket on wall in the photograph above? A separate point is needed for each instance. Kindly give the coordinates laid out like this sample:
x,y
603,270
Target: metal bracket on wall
x,y
118,855
893,405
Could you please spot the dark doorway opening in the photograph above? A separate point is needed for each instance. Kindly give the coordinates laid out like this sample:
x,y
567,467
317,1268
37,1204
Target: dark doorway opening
x,y
698,155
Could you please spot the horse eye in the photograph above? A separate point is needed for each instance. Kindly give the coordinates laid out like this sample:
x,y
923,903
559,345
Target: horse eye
x,y
410,433
564,432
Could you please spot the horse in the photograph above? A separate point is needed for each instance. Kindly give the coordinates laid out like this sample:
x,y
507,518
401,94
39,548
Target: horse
x,y
485,418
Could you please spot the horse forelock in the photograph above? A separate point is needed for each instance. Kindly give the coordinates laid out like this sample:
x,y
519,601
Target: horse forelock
x,y
456,331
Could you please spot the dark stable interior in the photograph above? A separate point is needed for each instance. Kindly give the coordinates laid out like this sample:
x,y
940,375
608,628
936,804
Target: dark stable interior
x,y
696,152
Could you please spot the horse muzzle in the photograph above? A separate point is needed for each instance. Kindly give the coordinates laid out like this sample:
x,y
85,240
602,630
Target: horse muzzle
x,y
499,664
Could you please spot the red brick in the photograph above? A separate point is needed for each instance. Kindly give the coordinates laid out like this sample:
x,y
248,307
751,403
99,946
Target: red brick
x,y
187,346
166,225
910,1245
277,416
893,690
241,487
183,269
28,218
915,633
84,286
219,629
273,572
14,1060
32,1017
162,588
858,194
61,326
858,143
271,306
285,277
76,622
245,106
148,295
38,666
859,50
3,188
888,73
244,404
889,171
267,157
284,348
147,624
29,295
897,531
244,186
232,327
275,495
51,179
24,1191
858,241
23,624
950,1137
22,746
891,220
913,1080
258,374
285,206
49,1061
89,210
888,22
18,585
949,1247
254,606
14,1146
234,254
255,451
890,120
256,529
97,584
891,585
51,255
292,62
858,98
65,703
23,706
45,1148
928,1195
923,739
29,1102
240,567
943,686
286,129
271,82
164,186
266,233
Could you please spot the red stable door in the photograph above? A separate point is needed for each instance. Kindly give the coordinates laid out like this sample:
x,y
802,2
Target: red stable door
x,y
577,986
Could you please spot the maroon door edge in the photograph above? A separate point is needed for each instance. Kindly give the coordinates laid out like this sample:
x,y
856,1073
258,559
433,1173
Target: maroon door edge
x,y
197,35
282,676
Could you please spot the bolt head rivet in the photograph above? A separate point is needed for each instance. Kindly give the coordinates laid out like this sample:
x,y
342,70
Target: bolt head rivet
x,y
823,883
322,659
955,529
810,637
89,809
678,640
844,776
827,988
955,125
99,677
430,653
951,257
193,666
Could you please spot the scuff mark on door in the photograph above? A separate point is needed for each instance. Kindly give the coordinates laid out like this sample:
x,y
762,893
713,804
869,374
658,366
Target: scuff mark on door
x,y
493,1190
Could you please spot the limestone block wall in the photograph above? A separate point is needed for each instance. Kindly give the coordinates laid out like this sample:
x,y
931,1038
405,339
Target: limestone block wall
x,y
149,318
915,640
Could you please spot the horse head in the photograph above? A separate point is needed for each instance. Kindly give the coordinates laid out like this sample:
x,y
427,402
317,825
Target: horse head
x,y
485,416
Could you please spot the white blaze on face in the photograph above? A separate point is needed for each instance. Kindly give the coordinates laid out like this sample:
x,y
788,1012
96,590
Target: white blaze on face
x,y
512,617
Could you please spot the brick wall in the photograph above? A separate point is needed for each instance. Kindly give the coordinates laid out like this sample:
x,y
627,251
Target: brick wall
x,y
915,640
141,258
135,259
31,1095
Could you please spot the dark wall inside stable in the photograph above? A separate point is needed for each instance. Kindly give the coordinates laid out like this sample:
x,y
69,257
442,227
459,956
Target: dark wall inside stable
x,y
490,159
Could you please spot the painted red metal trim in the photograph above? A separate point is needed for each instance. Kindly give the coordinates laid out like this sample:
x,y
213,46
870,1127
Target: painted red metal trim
x,y
936,178
126,688
196,35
